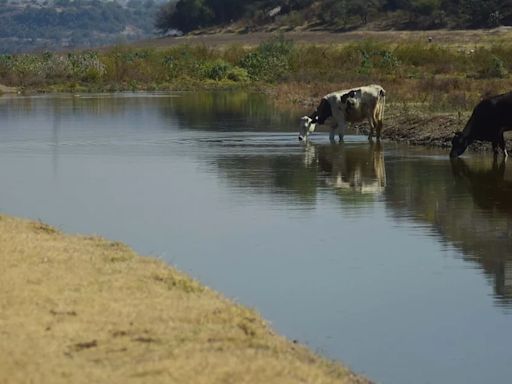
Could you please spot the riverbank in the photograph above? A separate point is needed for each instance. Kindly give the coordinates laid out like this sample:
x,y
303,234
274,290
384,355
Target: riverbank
x,y
403,123
408,123
433,79
79,309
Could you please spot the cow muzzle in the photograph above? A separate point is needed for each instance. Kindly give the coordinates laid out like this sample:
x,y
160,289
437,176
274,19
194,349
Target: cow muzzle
x,y
456,152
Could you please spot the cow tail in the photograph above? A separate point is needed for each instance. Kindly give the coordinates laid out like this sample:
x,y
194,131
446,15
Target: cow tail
x,y
382,104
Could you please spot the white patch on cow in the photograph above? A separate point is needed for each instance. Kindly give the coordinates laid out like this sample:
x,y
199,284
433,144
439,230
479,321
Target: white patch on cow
x,y
351,106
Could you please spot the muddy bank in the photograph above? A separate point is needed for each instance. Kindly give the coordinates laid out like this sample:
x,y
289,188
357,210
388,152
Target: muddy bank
x,y
77,309
431,130
421,129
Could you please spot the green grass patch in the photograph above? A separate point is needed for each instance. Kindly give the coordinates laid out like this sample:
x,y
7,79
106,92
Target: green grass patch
x,y
441,75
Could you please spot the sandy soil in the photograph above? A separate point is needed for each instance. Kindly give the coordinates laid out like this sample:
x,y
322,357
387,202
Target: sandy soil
x,y
6,89
87,310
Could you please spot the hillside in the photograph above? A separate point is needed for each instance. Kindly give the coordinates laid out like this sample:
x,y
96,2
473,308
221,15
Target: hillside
x,y
49,25
334,15
66,24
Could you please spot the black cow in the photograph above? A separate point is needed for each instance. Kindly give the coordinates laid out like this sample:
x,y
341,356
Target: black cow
x,y
490,118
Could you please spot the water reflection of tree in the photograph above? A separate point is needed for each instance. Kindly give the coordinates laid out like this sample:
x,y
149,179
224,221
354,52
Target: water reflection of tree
x,y
273,174
232,111
209,109
78,105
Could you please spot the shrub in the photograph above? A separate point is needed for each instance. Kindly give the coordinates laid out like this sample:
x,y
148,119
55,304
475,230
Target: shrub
x,y
28,69
86,66
497,68
270,61
238,75
216,70
376,56
493,67
186,62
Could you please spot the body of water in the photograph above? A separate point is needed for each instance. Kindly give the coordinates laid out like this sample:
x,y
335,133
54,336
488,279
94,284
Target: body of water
x,y
394,260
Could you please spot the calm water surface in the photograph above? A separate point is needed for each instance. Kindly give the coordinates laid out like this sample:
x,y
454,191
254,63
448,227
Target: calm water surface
x,y
392,259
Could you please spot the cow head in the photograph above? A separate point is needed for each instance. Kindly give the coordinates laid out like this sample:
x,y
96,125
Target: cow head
x,y
459,144
306,127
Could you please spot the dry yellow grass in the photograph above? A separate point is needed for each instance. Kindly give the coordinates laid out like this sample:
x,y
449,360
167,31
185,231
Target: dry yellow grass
x,y
225,39
86,310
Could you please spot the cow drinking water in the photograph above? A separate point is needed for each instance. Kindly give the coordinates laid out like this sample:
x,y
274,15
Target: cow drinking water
x,y
348,106
490,118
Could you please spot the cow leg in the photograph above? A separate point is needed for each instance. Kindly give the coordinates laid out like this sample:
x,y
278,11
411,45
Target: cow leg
x,y
495,149
501,143
379,129
341,130
341,123
332,133
372,126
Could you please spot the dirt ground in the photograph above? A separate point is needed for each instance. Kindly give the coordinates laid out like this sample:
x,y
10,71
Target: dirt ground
x,y
429,130
77,309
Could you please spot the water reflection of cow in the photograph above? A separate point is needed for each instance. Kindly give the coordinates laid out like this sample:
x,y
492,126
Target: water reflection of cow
x,y
358,168
488,186
491,191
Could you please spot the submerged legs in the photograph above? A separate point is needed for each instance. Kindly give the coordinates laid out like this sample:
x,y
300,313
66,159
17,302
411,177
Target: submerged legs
x,y
341,132
501,143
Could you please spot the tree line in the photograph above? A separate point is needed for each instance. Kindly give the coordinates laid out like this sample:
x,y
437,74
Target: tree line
x,y
77,23
188,15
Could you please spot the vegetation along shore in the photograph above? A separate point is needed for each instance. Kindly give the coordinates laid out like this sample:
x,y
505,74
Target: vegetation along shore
x,y
82,309
79,309
432,83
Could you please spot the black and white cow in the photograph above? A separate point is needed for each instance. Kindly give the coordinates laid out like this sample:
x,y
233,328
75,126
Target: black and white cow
x,y
490,118
347,106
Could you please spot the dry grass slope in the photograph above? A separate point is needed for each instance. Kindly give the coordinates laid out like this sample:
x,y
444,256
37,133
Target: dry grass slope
x,y
87,310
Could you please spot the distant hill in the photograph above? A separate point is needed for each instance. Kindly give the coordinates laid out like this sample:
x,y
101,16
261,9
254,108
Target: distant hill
x,y
39,25
334,15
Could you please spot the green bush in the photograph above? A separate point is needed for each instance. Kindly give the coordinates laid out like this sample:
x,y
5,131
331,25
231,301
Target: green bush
x,y
495,68
238,75
86,66
376,56
270,61
217,70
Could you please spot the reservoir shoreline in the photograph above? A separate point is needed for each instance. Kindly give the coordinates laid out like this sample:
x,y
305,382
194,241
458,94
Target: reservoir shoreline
x,y
86,309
